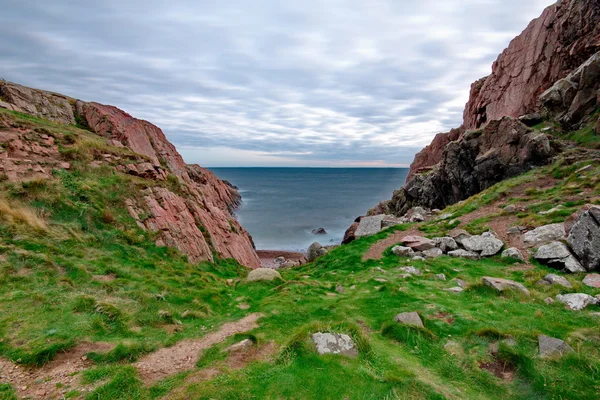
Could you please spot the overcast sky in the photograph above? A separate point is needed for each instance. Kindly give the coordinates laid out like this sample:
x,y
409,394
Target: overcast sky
x,y
268,83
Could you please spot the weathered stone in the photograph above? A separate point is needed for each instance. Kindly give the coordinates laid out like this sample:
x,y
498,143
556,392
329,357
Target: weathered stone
x,y
515,230
369,226
315,251
557,255
501,284
510,209
410,270
576,301
240,346
550,347
456,289
409,318
462,283
350,234
544,234
592,280
584,239
531,119
263,274
485,245
574,218
42,104
403,251
334,343
433,253
418,243
446,244
552,279
513,253
460,253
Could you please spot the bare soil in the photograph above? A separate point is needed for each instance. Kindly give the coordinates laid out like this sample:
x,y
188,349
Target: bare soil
x,y
376,251
267,257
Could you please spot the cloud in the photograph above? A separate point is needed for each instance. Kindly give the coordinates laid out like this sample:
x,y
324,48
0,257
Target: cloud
x,y
311,83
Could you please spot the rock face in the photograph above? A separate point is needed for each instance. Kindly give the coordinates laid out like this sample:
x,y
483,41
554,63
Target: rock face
x,y
432,154
196,219
480,159
553,45
334,343
584,239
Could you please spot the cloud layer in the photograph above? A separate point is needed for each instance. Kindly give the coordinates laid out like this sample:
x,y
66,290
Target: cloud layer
x,y
269,82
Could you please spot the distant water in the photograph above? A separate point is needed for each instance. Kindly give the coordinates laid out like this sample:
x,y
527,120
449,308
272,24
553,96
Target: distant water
x,y
281,206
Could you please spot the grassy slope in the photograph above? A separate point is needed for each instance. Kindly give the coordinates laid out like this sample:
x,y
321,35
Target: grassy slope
x,y
49,301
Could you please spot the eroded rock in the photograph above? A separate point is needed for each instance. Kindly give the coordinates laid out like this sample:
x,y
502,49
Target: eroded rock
x,y
334,343
513,253
485,245
501,285
557,255
576,301
315,251
544,234
418,243
584,238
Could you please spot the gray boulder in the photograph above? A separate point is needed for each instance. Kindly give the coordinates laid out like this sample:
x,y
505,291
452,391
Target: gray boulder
x,y
410,270
315,251
513,253
461,253
418,243
552,279
460,235
501,285
584,239
486,245
433,253
557,255
576,301
592,280
263,274
409,318
445,244
369,226
334,343
403,251
544,234
550,346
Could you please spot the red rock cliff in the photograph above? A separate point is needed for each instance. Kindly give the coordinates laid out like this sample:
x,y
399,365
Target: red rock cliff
x,y
562,38
197,219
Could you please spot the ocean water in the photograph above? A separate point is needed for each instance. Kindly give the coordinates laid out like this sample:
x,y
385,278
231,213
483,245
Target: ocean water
x,y
281,206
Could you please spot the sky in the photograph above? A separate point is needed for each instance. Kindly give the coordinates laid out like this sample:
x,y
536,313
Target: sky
x,y
329,83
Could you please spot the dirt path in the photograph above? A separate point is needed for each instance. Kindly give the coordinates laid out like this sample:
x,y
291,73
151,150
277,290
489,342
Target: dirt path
x,y
184,355
55,379
376,251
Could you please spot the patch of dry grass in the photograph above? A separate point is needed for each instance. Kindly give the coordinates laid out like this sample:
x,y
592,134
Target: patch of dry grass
x,y
21,216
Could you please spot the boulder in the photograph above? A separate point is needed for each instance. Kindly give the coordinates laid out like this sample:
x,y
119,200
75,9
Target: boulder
x,y
445,244
557,255
550,346
315,251
576,301
552,279
239,346
461,253
486,245
515,230
319,231
584,239
501,284
263,274
531,119
334,343
403,251
511,209
513,253
459,235
409,318
369,226
433,253
418,243
350,234
574,218
544,234
279,260
592,280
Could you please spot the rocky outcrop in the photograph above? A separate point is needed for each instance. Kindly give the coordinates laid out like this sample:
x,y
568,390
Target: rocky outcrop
x,y
561,39
584,238
432,154
192,213
480,159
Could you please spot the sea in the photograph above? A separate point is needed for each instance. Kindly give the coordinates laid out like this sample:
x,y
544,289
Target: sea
x,y
281,206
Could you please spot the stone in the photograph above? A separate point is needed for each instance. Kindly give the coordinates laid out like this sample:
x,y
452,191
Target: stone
x,y
369,226
510,209
319,231
279,260
592,280
463,284
552,279
584,239
334,343
416,217
485,245
456,289
410,270
418,258
550,347
501,285
350,234
445,244
557,255
263,274
418,243
459,235
433,253
339,288
574,218
531,119
240,346
576,301
544,234
461,253
549,300
513,253
402,251
42,104
515,230
440,277
552,210
409,318
315,251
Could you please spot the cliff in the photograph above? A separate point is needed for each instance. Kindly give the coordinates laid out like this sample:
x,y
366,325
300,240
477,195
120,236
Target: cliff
x,y
192,211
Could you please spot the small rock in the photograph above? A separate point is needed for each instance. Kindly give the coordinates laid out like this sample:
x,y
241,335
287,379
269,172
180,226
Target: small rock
x,y
339,288
319,231
552,279
403,251
409,318
586,168
513,253
501,284
445,244
334,343
418,243
576,301
510,209
549,300
544,234
461,253
456,289
263,274
552,210
460,282
441,277
410,270
243,345
592,280
433,253
315,251
552,347
446,216
280,260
